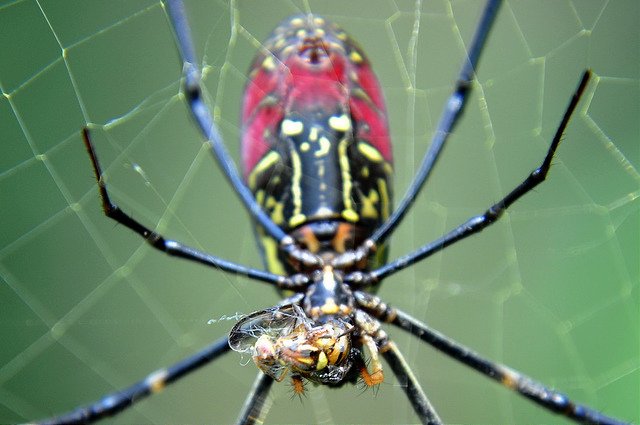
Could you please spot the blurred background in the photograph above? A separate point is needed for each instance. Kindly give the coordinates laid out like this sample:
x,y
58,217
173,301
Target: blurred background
x,y
551,289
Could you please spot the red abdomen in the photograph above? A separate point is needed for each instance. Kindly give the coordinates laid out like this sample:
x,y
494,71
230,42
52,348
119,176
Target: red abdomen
x,y
324,66
316,150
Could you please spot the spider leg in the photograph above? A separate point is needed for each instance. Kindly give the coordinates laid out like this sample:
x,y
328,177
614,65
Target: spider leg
x,y
158,241
375,340
421,404
202,116
371,374
551,400
491,215
116,402
372,337
453,111
256,406
522,384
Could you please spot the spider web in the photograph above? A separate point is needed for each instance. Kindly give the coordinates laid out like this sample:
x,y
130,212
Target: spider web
x,y
551,290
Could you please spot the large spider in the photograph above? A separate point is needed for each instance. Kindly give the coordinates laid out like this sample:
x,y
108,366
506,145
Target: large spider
x,y
317,169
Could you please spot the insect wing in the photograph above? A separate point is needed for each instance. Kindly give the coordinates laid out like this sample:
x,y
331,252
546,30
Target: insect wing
x,y
273,322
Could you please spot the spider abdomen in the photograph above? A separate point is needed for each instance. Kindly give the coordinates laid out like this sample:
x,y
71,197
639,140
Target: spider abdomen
x,y
316,150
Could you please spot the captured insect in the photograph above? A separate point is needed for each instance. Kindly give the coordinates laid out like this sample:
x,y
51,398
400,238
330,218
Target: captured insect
x,y
317,170
285,340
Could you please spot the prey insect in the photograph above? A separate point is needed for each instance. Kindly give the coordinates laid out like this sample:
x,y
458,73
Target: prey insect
x,y
285,340
317,170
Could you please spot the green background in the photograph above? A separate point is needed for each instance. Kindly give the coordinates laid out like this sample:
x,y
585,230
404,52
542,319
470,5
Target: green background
x,y
551,290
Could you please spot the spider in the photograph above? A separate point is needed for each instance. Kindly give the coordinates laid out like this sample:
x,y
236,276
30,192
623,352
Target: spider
x,y
325,248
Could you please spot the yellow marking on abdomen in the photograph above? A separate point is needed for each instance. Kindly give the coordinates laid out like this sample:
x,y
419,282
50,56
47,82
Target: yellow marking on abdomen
x,y
371,153
313,134
297,217
384,196
355,57
270,248
264,164
340,123
325,146
291,127
276,208
348,213
368,209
